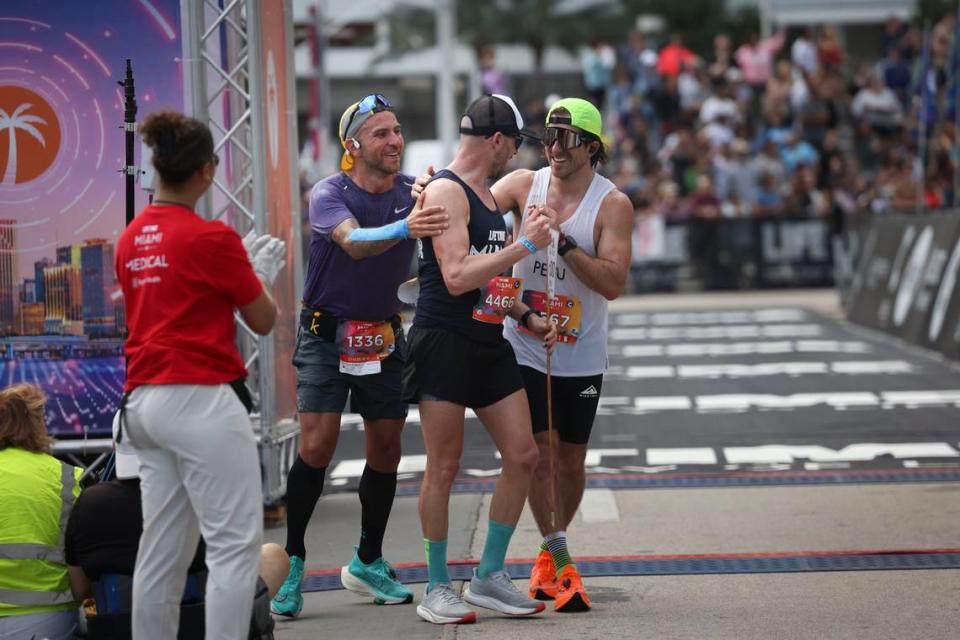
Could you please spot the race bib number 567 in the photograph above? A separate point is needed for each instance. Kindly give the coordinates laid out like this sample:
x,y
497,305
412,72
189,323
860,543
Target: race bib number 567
x,y
496,299
564,312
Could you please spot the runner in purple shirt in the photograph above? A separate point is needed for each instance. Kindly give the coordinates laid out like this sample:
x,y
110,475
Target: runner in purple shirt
x,y
369,290
363,221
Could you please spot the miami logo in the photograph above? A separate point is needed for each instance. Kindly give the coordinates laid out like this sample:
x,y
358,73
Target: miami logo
x,y
29,135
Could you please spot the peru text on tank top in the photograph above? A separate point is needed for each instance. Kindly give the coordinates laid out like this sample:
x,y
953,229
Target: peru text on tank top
x,y
579,312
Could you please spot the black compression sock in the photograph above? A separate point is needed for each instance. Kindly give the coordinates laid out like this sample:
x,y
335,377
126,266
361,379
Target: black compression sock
x,y
377,490
304,486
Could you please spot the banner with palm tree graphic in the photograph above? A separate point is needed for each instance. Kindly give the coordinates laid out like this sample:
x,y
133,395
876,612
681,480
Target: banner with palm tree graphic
x,y
61,192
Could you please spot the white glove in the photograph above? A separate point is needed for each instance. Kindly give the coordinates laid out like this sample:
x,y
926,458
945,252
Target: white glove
x,y
267,255
248,241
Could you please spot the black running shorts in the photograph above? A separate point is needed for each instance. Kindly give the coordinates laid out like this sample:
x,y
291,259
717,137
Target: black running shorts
x,y
323,388
575,403
445,365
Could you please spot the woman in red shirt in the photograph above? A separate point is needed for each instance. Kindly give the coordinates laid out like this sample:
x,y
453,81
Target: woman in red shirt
x,y
182,278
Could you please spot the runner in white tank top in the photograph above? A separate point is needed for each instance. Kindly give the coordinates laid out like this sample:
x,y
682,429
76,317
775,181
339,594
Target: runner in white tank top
x,y
595,222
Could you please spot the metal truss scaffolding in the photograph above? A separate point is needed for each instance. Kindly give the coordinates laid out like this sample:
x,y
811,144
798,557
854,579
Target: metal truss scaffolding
x,y
223,87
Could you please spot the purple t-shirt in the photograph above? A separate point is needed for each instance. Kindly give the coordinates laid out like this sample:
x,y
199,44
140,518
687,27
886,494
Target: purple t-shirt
x,y
336,283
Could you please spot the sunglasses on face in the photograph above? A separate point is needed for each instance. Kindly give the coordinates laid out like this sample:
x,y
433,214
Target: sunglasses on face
x,y
374,103
568,139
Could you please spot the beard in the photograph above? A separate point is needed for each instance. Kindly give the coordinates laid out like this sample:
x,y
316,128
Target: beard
x,y
499,168
381,164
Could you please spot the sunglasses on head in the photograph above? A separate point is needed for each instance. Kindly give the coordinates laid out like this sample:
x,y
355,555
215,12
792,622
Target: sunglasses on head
x,y
374,103
568,139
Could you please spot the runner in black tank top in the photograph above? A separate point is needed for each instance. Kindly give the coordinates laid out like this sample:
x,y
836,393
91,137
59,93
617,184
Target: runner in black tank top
x,y
457,358
436,307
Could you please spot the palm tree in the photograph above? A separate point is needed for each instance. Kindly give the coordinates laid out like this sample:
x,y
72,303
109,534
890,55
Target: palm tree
x,y
24,123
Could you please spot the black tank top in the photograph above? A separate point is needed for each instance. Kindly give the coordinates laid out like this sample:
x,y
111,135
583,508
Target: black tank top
x,y
436,307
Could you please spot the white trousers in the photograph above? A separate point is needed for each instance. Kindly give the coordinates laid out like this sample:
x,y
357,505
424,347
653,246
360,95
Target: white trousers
x,y
199,473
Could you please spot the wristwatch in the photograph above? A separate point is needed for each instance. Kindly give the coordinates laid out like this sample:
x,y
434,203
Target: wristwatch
x,y
566,244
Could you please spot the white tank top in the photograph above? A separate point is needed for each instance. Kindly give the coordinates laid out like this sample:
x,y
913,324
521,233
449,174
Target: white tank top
x,y
585,352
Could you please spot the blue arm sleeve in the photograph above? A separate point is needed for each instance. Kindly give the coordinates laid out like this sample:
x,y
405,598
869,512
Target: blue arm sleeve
x,y
398,230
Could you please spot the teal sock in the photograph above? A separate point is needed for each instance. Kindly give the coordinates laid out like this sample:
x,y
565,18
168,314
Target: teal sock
x,y
436,552
495,549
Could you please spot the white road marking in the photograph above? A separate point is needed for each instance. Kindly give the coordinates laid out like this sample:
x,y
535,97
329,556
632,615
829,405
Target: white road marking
x,y
711,317
595,456
917,399
769,457
717,332
482,473
354,468
413,417
614,401
714,371
736,402
916,464
694,455
868,367
685,349
823,466
599,505
776,453
726,403
648,404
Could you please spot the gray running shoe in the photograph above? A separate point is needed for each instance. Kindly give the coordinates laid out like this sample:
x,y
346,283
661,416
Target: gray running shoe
x,y
497,592
443,606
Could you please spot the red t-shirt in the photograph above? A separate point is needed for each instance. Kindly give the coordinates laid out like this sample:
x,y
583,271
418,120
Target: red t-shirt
x,y
182,276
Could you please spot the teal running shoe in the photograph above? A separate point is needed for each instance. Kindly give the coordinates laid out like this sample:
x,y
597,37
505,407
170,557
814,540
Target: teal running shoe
x,y
377,579
289,601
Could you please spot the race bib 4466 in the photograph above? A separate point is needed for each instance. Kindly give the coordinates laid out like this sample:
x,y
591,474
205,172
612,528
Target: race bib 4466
x,y
496,299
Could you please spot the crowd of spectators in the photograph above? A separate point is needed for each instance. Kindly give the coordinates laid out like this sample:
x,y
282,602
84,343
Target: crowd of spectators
x,y
776,126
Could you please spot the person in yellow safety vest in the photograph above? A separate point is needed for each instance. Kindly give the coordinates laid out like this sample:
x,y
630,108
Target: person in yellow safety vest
x,y
37,492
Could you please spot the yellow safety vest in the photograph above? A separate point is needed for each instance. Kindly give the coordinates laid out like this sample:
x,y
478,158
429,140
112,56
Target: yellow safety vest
x,y
37,492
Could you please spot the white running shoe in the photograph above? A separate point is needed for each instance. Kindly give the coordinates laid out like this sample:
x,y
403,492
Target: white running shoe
x,y
497,592
442,605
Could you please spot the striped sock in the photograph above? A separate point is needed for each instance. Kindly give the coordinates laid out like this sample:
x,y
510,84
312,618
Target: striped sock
x,y
436,552
543,546
495,548
557,544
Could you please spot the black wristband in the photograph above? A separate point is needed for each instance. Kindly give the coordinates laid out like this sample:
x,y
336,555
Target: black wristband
x,y
526,316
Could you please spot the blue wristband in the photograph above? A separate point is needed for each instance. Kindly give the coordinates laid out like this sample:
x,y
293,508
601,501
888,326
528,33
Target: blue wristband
x,y
525,241
398,230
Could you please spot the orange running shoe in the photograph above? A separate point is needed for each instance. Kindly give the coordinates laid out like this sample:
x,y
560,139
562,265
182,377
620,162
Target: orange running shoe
x,y
571,596
543,578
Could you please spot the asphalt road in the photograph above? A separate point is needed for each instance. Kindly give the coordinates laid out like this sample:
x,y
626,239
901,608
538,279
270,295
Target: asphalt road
x,y
737,430
759,388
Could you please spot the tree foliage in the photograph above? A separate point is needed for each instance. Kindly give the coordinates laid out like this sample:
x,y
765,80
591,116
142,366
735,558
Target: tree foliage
x,y
538,23
570,24
698,20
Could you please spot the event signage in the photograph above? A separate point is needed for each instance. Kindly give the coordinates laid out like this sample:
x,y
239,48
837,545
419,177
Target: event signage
x,y
906,280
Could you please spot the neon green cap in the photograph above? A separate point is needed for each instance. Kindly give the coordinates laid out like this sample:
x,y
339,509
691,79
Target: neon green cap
x,y
583,115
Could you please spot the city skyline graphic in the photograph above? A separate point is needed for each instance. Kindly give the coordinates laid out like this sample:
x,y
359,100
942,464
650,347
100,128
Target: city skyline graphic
x,y
62,198
71,58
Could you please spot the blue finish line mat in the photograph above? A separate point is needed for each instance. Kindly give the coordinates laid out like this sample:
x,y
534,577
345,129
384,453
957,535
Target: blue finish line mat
x,y
689,564
694,480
